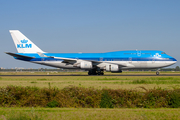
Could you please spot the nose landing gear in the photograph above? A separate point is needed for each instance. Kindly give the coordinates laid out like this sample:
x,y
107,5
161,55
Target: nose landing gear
x,y
157,72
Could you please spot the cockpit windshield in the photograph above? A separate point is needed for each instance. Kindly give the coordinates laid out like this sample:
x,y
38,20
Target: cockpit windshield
x,y
163,53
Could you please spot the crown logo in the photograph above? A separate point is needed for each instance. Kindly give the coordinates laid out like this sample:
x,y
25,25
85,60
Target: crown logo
x,y
157,55
24,41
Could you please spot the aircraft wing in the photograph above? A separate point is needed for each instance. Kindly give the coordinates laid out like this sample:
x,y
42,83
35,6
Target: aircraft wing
x,y
74,60
66,60
19,56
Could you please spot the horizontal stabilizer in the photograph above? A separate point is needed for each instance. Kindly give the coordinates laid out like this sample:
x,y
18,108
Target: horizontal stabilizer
x,y
19,56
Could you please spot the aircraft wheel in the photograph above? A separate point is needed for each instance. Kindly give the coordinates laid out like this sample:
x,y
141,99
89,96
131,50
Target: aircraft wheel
x,y
89,73
94,72
99,73
102,73
157,73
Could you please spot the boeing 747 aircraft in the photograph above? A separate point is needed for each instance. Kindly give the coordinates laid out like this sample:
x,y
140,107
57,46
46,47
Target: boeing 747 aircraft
x,y
95,63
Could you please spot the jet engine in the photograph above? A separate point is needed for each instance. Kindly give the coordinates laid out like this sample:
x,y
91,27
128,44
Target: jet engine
x,y
113,68
86,65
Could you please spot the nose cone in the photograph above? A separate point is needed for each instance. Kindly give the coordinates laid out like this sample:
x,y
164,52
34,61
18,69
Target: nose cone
x,y
173,61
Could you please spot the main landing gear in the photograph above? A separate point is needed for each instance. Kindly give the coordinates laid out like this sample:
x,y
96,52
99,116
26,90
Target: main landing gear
x,y
95,72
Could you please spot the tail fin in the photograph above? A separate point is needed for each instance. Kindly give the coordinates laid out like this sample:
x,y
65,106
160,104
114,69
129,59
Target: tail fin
x,y
23,44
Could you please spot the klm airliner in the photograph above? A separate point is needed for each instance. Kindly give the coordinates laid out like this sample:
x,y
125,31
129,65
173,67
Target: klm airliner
x,y
95,63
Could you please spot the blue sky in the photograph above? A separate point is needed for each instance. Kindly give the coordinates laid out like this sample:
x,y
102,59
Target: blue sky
x,y
90,26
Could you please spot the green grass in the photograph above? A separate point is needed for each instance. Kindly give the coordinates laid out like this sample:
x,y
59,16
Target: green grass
x,y
155,82
85,73
111,78
141,83
88,114
99,82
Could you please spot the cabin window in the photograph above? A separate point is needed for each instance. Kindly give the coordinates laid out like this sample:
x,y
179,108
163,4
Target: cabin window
x,y
130,53
163,53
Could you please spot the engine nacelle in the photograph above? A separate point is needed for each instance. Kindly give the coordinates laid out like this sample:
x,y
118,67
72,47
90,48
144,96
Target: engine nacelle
x,y
113,68
86,65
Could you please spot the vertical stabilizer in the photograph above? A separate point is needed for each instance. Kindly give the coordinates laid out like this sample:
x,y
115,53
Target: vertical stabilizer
x,y
23,44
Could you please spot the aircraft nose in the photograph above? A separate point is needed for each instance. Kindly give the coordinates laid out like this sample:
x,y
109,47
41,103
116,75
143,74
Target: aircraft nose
x,y
174,61
171,62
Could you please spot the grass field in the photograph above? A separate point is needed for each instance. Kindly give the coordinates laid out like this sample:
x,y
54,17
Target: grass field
x,y
88,114
86,73
98,82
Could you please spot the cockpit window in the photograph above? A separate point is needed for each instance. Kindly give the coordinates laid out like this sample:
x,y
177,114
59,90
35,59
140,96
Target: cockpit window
x,y
163,53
